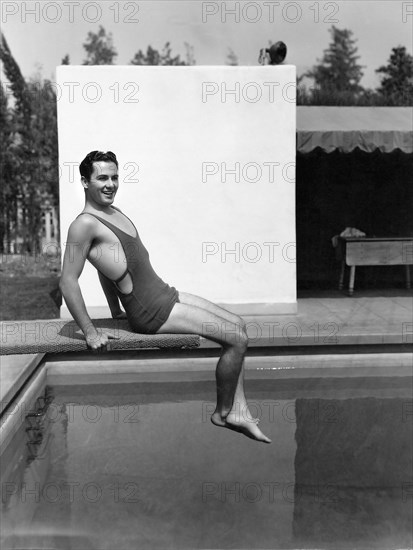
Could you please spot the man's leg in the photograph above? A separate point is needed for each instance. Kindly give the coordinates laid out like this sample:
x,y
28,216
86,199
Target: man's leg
x,y
194,300
232,410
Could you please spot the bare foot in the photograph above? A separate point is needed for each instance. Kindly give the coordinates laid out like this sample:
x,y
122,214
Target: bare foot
x,y
235,422
219,419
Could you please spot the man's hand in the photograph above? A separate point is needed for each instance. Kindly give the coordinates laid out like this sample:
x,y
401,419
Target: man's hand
x,y
98,340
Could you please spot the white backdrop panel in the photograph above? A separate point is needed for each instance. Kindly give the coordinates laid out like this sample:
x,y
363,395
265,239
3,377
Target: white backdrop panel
x,y
207,170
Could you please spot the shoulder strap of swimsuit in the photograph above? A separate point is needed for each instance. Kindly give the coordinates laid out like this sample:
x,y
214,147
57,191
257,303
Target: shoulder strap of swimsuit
x,y
133,225
105,222
108,224
114,227
123,214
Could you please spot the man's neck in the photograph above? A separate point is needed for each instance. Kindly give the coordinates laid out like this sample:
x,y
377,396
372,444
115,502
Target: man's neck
x,y
91,206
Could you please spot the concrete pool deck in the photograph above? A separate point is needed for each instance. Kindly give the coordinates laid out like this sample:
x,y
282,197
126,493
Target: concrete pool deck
x,y
333,319
326,323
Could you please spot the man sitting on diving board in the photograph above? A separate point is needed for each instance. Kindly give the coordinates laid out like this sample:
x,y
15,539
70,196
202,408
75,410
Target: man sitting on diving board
x,y
150,305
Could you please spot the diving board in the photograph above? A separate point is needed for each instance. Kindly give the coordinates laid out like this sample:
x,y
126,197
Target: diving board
x,y
59,336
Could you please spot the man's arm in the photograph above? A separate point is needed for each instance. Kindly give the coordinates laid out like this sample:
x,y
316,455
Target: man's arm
x,y
111,296
79,241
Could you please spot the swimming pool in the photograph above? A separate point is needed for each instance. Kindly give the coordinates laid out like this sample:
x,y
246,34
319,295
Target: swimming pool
x,y
124,456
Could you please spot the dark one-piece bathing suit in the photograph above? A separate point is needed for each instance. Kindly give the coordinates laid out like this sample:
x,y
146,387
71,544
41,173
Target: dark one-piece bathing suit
x,y
151,301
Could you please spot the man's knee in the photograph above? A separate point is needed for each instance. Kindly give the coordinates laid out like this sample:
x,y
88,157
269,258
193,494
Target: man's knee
x,y
242,327
235,336
242,340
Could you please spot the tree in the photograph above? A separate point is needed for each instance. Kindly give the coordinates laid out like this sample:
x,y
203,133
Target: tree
x,y
6,170
232,58
397,83
65,60
99,48
20,153
338,70
154,57
44,131
190,58
29,165
16,81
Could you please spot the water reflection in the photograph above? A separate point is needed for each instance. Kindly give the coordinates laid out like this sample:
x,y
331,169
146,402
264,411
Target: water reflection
x,y
353,473
140,466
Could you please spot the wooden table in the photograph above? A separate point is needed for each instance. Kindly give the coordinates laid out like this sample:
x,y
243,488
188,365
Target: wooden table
x,y
374,251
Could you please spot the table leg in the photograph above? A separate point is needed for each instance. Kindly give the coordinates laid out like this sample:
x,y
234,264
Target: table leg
x,y
352,278
407,276
341,279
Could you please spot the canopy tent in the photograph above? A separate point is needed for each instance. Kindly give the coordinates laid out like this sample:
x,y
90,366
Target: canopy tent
x,y
347,128
354,169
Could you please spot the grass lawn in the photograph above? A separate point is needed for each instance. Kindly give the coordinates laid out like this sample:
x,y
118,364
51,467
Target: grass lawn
x,y
28,298
29,287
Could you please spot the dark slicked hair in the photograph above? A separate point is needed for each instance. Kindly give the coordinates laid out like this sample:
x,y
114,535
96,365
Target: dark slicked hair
x,y
86,166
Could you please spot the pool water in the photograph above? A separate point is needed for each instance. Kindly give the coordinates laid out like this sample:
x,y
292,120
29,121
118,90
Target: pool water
x,y
140,466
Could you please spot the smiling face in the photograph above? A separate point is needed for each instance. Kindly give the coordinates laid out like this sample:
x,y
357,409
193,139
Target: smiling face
x,y
103,184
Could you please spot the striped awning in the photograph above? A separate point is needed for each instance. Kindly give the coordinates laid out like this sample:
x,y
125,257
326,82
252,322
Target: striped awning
x,y
346,128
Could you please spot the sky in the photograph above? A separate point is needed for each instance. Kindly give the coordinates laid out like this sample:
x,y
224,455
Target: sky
x,y
41,33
